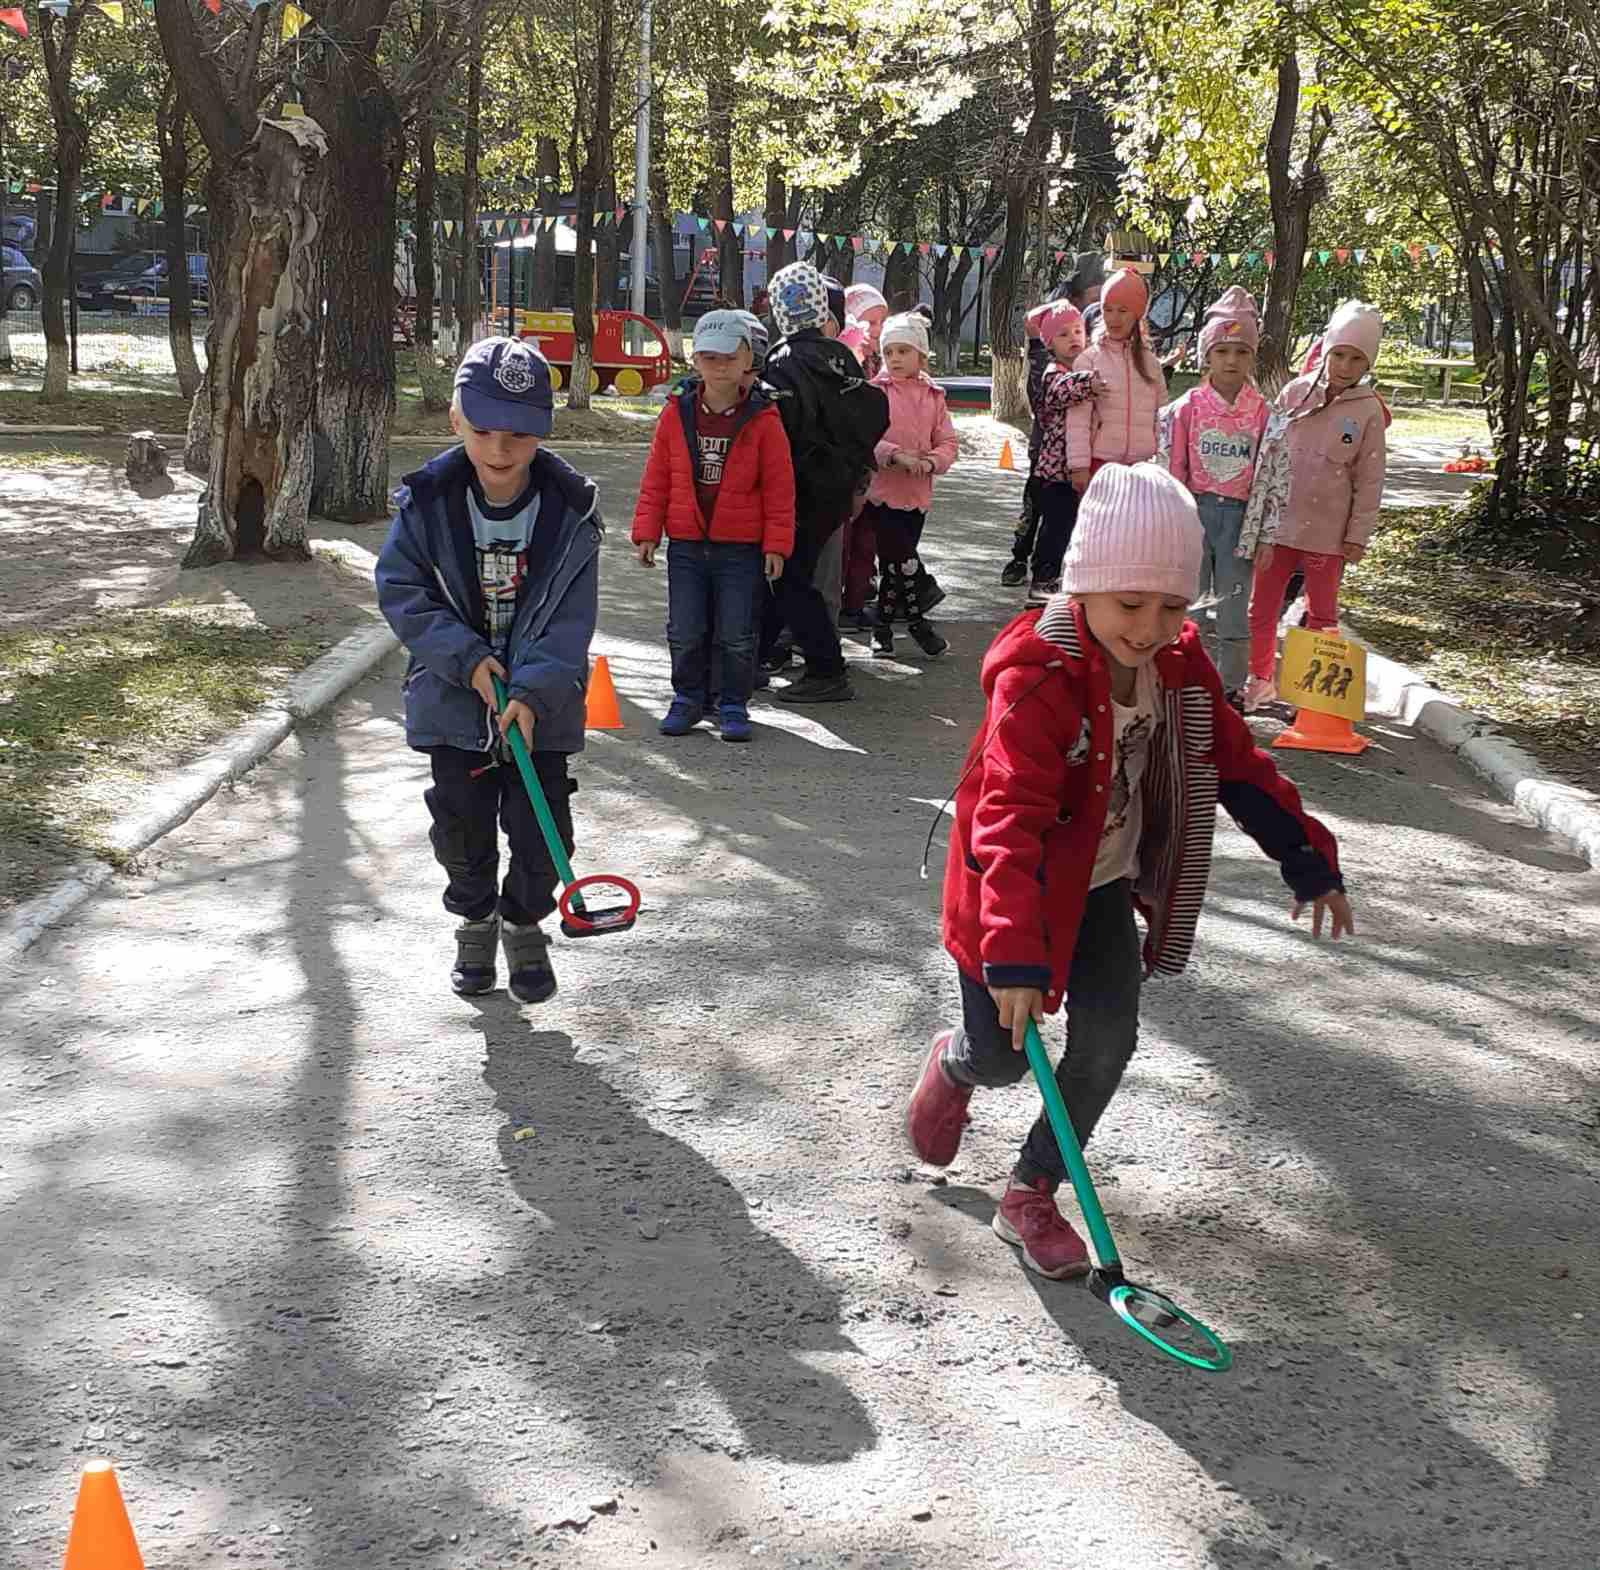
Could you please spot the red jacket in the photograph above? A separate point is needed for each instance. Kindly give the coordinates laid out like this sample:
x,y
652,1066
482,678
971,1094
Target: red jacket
x,y
1032,806
755,502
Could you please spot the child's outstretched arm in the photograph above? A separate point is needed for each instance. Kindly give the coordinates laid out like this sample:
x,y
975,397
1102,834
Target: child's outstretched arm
x,y
1267,807
417,606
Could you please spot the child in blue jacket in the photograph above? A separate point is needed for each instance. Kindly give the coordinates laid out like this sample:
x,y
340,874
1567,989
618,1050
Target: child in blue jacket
x,y
491,568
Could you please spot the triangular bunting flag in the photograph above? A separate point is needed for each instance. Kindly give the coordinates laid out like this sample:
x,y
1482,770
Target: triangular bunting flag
x,y
1416,253
106,199
939,250
1397,251
704,223
788,234
989,252
719,224
1233,258
112,8
294,19
600,220
1342,255
924,247
1216,259
975,251
753,230
1271,258
772,233
1322,256
1433,251
856,241
619,213
214,7
155,208
13,18
1198,258
449,227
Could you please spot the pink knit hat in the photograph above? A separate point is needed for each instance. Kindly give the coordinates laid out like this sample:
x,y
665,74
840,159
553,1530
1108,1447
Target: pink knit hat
x,y
1030,322
1138,531
1060,318
1354,326
1126,287
1231,320
860,298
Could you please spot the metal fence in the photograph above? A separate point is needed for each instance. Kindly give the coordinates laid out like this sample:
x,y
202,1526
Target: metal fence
x,y
106,341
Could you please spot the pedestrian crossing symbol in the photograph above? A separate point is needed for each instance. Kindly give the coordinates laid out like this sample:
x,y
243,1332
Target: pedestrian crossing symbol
x,y
1324,673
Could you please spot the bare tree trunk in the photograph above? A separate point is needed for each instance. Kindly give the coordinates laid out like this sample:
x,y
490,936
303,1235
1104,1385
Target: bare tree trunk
x,y
902,276
780,252
262,368
719,119
666,250
58,36
469,288
355,386
434,377
1292,197
542,295
171,129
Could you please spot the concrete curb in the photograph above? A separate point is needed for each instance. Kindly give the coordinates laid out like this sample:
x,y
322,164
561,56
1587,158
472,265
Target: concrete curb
x,y
177,798
1399,692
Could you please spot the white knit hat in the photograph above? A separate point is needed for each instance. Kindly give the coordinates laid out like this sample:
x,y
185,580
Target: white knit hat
x,y
911,328
859,298
1138,531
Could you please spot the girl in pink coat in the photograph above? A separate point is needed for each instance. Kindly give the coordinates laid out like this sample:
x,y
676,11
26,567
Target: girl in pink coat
x,y
920,443
1120,425
1319,483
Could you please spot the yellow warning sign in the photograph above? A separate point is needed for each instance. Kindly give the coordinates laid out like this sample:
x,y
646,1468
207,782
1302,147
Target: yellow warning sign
x,y
1324,673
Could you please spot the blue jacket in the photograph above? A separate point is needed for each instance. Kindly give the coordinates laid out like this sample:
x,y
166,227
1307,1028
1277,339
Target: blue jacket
x,y
428,590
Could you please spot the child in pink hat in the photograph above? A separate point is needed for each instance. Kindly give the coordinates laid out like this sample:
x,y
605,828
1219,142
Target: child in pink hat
x,y
1319,485
1089,802
1120,425
1209,439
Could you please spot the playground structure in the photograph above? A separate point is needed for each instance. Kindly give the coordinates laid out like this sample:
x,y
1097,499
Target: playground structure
x,y
630,352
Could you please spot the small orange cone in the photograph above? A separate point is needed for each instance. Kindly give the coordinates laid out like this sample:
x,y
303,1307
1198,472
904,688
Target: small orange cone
x,y
101,1537
1314,732
601,710
1006,460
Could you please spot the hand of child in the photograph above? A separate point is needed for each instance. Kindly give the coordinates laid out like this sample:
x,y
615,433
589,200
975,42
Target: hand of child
x,y
903,460
1017,1005
517,712
646,552
482,681
1264,556
1080,480
1353,552
1336,906
774,566
925,465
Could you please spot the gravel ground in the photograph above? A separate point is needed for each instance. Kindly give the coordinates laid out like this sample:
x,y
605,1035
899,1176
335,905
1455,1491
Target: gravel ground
x,y
342,1270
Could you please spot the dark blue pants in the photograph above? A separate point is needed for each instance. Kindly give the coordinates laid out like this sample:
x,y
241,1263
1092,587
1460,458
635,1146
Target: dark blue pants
x,y
711,594
1102,1030
1058,513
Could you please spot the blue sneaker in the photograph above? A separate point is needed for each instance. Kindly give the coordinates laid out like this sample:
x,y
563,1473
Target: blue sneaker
x,y
734,720
681,718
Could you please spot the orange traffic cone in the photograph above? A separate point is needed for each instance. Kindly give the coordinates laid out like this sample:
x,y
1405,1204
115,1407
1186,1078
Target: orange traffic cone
x,y
600,705
1314,732
101,1537
1006,460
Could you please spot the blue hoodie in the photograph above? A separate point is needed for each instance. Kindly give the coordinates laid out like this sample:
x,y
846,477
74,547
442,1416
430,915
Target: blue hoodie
x,y
428,590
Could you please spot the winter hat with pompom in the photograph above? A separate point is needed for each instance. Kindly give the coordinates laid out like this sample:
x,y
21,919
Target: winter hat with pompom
x,y
1354,325
1231,320
1138,531
911,328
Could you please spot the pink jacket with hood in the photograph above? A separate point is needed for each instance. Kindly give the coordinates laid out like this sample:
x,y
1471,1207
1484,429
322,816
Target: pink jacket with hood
x,y
1118,425
919,422
1337,456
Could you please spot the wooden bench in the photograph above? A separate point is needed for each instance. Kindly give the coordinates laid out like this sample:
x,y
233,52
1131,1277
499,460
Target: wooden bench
x,y
1399,391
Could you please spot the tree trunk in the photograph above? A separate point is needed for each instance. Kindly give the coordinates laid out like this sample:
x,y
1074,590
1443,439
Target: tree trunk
x,y
262,365
469,287
355,386
435,378
1292,197
608,244
666,251
171,130
58,37
780,252
222,197
719,121
596,134
542,293
902,276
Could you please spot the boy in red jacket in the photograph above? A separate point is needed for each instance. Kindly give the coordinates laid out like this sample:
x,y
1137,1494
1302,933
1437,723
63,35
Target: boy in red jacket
x,y
720,481
1091,793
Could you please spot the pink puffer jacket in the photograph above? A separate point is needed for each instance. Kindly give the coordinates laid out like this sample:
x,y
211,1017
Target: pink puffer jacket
x,y
1119,426
1337,458
920,423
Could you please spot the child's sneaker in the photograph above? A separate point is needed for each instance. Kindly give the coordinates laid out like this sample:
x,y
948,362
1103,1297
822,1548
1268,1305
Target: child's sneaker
x,y
474,967
1259,692
681,718
1013,573
858,621
928,638
733,720
936,1114
1041,589
925,591
883,640
1028,1219
528,960
818,689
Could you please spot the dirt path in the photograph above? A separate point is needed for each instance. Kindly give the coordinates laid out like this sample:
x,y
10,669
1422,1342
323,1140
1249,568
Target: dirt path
x,y
275,1244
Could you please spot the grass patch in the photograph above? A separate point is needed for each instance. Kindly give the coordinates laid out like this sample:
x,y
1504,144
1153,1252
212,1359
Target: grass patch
x,y
1517,647
1428,421
112,409
38,457
88,713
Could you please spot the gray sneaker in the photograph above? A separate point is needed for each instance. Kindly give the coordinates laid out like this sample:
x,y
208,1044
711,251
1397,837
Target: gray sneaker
x,y
474,968
528,959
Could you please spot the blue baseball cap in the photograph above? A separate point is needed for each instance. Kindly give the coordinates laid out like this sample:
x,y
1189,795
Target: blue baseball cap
x,y
721,332
504,385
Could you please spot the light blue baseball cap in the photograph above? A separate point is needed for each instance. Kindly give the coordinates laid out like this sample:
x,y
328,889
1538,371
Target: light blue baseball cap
x,y
721,332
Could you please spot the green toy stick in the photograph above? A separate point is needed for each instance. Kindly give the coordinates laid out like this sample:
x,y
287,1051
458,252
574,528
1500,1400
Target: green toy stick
x,y
1145,1311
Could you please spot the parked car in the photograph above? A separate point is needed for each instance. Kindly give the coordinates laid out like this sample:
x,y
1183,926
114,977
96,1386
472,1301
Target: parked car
x,y
152,282
99,285
20,284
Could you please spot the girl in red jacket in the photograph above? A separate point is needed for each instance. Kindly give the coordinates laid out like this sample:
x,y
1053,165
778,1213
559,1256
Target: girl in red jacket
x,y
719,480
1090,794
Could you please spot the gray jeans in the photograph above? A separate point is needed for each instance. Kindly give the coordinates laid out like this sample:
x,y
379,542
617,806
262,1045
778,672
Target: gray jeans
x,y
1102,1030
828,579
1228,577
